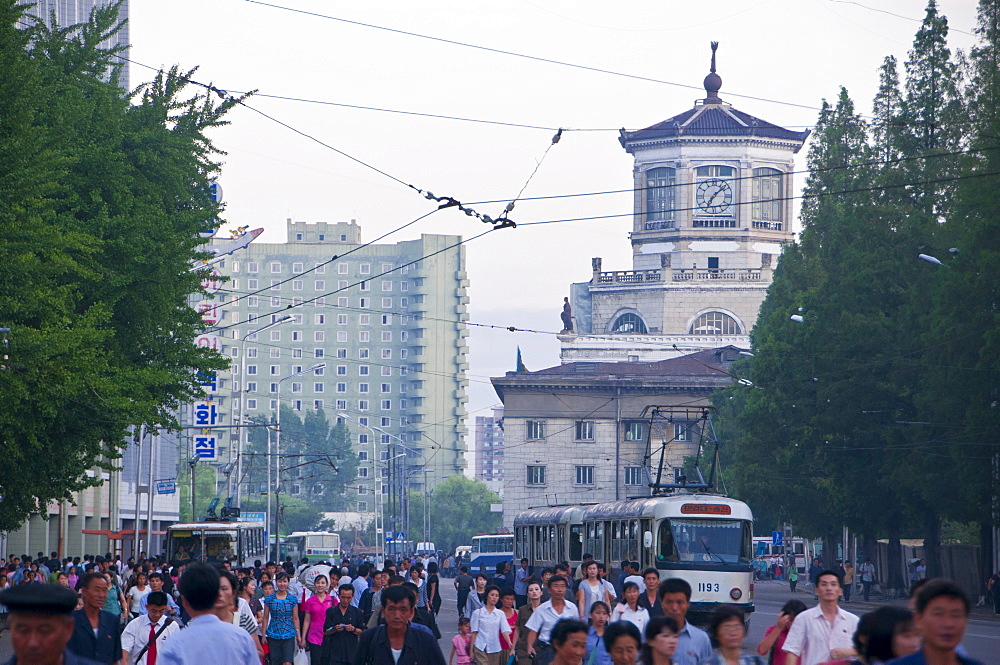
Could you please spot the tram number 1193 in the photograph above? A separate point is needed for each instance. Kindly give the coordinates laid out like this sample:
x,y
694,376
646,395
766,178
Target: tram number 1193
x,y
708,587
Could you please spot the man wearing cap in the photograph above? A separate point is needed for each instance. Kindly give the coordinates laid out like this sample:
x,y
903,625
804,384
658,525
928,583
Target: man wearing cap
x,y
96,633
41,625
207,639
144,636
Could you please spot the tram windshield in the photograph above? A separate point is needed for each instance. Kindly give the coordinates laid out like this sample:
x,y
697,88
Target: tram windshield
x,y
705,541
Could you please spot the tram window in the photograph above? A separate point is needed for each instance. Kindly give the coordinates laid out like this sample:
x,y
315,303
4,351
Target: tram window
x,y
665,549
718,541
575,542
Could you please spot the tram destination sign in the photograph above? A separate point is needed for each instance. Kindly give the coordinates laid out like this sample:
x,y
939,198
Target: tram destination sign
x,y
706,509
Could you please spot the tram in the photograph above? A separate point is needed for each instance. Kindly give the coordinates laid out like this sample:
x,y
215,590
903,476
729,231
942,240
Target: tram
x,y
705,539
216,541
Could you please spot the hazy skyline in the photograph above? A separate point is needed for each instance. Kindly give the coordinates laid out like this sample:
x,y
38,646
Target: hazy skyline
x,y
792,52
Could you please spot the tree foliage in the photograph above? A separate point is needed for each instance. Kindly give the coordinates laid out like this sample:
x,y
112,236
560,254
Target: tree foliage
x,y
878,410
101,202
459,510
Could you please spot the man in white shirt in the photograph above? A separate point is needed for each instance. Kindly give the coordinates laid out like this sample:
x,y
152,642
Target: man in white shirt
x,y
206,639
546,616
138,632
824,632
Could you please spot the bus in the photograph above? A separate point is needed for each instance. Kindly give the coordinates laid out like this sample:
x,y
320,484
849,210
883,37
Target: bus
x,y
705,539
315,545
802,550
547,536
488,551
240,543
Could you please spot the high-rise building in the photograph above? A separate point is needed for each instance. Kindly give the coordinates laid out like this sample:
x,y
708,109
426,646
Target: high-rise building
x,y
388,320
72,12
712,210
489,450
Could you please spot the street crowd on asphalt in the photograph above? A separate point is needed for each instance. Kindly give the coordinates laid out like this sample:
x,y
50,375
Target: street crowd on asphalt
x,y
151,612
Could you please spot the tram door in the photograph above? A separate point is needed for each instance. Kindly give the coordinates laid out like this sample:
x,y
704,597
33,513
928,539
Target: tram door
x,y
648,558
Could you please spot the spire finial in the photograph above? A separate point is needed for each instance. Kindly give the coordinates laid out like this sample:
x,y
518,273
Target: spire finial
x,y
713,82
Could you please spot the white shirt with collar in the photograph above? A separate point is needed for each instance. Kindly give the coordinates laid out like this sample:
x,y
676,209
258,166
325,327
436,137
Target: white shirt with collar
x,y
545,617
136,635
812,638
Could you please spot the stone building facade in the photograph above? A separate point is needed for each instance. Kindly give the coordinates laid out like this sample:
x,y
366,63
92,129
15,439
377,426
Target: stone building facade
x,y
712,210
585,432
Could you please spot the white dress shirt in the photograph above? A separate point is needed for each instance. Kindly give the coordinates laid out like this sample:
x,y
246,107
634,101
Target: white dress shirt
x,y
136,636
545,617
812,638
487,626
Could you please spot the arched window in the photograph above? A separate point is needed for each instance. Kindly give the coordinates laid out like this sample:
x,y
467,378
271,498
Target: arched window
x,y
660,196
767,195
629,323
715,323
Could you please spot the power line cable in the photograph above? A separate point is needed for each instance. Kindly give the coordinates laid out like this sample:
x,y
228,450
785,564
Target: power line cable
x,y
488,49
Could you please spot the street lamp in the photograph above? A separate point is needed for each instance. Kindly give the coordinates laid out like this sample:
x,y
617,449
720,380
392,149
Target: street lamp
x,y
277,452
376,489
399,506
239,419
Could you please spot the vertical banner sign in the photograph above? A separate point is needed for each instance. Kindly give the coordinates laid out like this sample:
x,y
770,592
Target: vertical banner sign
x,y
206,446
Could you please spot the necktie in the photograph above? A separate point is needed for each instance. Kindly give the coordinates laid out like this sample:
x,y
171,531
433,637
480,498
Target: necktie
x,y
151,651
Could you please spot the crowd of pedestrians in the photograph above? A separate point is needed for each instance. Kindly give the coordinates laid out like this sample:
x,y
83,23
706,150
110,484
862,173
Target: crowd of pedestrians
x,y
146,612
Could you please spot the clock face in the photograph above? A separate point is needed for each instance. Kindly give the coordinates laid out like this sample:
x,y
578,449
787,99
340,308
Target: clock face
x,y
714,197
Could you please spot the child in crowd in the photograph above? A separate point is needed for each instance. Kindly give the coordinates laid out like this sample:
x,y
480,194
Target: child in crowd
x,y
461,644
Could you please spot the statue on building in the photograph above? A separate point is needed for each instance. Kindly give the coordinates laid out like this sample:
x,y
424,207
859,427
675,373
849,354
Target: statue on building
x,y
567,316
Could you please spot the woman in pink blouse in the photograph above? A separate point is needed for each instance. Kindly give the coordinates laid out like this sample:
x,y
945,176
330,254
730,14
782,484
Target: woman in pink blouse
x,y
315,608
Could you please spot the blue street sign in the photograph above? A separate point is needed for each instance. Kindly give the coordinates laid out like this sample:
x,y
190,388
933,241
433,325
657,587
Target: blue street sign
x,y
247,516
400,536
777,538
166,487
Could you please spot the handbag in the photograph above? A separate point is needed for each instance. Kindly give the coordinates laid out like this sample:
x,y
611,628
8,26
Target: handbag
x,y
301,657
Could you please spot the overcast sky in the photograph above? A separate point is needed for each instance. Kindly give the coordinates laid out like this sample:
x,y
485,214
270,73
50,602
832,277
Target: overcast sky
x,y
790,54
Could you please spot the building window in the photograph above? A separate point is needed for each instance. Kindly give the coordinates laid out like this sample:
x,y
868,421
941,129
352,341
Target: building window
x,y
629,322
275,301
251,404
584,430
534,430
536,474
386,335
341,353
661,196
297,268
386,405
251,369
296,335
363,388
366,268
364,354
404,302
362,405
319,336
341,319
296,285
341,335
387,371
341,404
362,472
363,455
364,302
766,194
317,387
364,285
341,387
342,301
341,370
584,475
342,268
320,285
681,432
275,335
253,266
387,318
272,387
715,323
386,354
252,284
364,336
387,286
274,352
318,404
296,387
253,301
275,268
387,387
362,505
633,475
251,386
319,319
296,353
635,430
318,353
320,268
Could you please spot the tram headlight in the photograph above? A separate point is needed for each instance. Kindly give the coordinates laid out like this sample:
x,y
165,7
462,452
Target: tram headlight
x,y
735,593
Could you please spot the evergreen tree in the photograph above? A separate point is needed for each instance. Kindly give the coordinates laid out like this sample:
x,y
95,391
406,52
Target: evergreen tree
x,y
101,203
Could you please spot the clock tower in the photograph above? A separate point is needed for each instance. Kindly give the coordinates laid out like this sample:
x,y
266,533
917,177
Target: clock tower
x,y
712,210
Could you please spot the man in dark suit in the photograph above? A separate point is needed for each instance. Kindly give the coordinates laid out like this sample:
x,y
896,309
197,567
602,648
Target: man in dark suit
x,y
40,624
344,624
95,632
415,646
